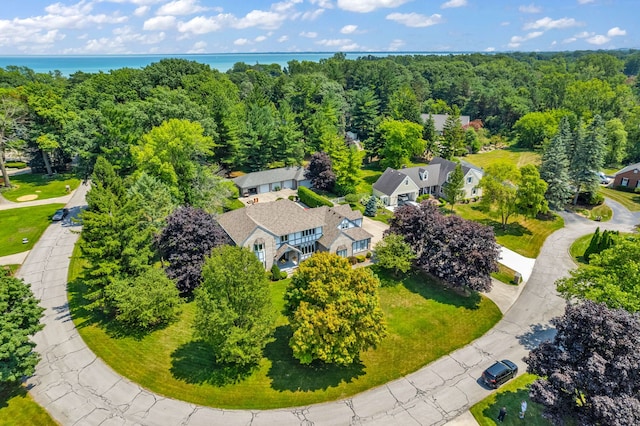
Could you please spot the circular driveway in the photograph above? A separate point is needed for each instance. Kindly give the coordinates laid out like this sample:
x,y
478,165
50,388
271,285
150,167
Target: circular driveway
x,y
77,388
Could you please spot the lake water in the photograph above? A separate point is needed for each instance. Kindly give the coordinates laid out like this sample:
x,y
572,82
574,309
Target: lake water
x,y
68,65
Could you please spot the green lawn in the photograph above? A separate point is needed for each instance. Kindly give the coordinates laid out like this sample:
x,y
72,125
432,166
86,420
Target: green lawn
x,y
40,185
504,274
18,409
519,157
24,222
522,235
578,247
628,199
369,174
424,321
510,395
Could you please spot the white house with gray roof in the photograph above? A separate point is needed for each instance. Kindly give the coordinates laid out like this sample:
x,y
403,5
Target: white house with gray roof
x,y
394,187
271,180
282,232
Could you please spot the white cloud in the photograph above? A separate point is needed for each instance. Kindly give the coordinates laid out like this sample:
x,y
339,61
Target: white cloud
x,y
569,40
532,8
312,15
518,40
283,38
260,39
325,4
159,23
585,1
241,42
547,23
598,39
415,20
396,44
285,6
583,34
453,3
198,47
490,49
141,11
261,19
616,31
309,34
333,42
505,23
204,25
364,6
180,7
348,29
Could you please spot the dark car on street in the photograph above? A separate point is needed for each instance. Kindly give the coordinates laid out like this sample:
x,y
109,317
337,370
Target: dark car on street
x,y
499,373
60,214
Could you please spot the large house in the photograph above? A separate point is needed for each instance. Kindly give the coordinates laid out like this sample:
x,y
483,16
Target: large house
x,y
440,119
282,232
629,176
396,187
271,180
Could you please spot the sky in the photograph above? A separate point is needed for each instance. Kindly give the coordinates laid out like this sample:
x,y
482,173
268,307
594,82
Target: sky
x,y
97,27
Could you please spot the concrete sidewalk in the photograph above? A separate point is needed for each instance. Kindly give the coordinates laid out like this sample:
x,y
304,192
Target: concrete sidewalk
x,y
14,259
517,262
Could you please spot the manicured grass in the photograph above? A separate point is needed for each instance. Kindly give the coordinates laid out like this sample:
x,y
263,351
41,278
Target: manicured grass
x,y
41,185
424,321
522,234
24,222
628,199
603,212
369,174
12,268
383,215
504,274
18,409
578,247
519,157
510,395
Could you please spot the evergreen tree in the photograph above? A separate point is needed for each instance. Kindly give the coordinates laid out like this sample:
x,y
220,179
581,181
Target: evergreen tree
x,y
372,206
555,168
588,158
365,113
453,191
430,136
593,245
453,136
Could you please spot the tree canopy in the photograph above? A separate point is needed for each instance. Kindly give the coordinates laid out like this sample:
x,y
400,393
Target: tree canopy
x,y
334,310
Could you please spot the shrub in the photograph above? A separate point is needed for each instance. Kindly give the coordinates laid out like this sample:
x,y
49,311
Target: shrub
x,y
15,164
624,188
637,190
275,272
368,255
360,258
596,199
312,199
352,260
422,197
292,197
283,275
353,198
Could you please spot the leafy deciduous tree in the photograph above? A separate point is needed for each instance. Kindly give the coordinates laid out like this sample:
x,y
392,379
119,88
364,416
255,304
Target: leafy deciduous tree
x,y
334,310
19,321
590,371
402,139
393,252
500,189
320,173
233,306
13,114
531,191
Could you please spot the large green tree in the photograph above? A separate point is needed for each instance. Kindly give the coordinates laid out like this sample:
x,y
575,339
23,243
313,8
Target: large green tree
x,y
233,306
393,252
402,140
19,321
555,168
588,158
13,115
334,310
612,277
500,189
531,192
616,149
453,187
453,136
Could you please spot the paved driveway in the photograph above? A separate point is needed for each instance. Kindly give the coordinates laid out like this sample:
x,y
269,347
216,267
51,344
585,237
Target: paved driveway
x,y
77,388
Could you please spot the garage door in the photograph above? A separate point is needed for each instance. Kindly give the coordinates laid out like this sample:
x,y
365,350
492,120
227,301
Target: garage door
x,y
287,184
263,189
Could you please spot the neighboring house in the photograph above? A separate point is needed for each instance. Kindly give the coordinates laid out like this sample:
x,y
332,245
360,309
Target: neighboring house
x,y
440,119
271,180
397,186
629,176
282,232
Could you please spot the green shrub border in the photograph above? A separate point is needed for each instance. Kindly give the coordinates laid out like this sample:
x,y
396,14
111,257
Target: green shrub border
x,y
312,199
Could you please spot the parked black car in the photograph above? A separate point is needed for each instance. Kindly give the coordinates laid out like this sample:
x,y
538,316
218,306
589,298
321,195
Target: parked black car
x,y
60,214
499,373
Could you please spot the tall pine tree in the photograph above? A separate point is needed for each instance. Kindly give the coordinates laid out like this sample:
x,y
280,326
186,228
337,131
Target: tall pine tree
x,y
588,158
555,168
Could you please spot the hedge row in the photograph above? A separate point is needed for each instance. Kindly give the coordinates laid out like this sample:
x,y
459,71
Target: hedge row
x,y
312,199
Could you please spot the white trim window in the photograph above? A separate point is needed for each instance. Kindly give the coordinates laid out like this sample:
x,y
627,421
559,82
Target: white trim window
x,y
624,182
361,245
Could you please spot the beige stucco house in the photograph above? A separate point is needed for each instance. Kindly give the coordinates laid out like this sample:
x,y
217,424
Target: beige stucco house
x,y
283,232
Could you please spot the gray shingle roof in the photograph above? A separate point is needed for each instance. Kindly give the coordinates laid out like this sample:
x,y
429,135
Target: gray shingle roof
x,y
415,173
389,181
255,179
357,234
628,168
440,119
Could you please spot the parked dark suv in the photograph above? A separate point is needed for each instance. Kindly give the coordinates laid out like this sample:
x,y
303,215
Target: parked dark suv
x,y
499,373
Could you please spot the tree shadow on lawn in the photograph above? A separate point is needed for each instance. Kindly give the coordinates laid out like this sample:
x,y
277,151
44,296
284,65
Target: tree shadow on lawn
x,y
9,391
195,363
536,335
287,374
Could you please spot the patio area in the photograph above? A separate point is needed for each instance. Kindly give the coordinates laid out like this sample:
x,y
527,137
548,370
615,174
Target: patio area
x,y
268,196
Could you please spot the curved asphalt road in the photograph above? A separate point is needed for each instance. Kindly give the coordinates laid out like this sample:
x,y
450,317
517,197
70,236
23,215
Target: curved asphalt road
x,y
77,388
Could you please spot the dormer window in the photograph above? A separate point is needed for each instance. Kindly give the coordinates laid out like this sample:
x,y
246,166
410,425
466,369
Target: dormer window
x,y
406,181
424,175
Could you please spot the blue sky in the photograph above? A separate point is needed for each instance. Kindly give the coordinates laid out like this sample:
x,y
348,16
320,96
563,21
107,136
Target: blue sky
x,y
86,27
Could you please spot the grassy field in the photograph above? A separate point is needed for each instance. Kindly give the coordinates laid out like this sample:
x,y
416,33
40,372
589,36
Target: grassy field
x,y
578,247
519,157
424,320
628,199
41,186
504,274
510,396
24,222
522,234
18,409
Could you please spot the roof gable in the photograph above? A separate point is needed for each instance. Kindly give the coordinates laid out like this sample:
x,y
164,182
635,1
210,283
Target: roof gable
x,y
628,168
270,176
389,181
